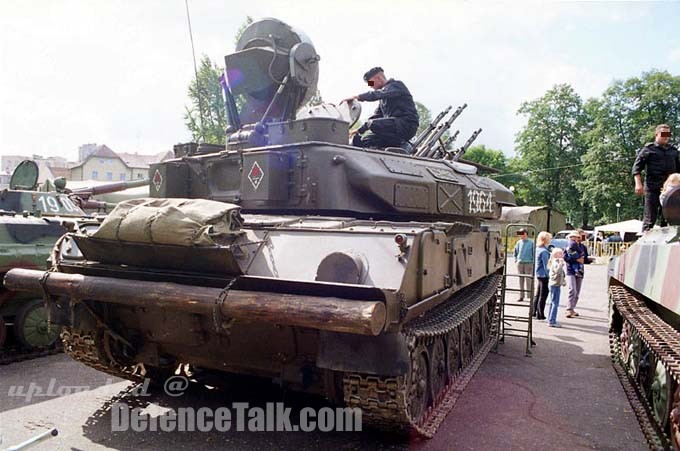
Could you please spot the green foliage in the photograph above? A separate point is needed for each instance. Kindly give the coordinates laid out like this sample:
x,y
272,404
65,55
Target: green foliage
x,y
577,156
206,117
424,116
623,120
548,149
424,120
488,157
242,28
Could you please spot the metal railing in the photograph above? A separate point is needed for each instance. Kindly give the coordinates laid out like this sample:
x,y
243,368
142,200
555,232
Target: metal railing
x,y
605,249
514,323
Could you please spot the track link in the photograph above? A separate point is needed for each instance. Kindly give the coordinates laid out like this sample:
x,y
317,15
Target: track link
x,y
386,402
88,349
662,340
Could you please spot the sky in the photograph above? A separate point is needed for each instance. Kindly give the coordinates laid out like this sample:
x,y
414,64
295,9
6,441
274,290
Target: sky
x,y
116,72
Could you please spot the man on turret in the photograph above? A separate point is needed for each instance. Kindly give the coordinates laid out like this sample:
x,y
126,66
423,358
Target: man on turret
x,y
396,118
659,160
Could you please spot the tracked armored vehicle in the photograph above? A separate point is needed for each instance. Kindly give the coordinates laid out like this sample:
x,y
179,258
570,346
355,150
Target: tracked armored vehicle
x,y
31,221
363,275
644,292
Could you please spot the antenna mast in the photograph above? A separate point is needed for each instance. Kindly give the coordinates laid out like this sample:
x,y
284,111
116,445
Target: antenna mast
x,y
198,85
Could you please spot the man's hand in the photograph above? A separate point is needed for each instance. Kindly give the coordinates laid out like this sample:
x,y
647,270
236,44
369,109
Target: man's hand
x,y
581,260
353,132
349,99
639,190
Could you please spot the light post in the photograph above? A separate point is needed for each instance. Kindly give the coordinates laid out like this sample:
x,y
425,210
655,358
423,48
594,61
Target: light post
x,y
618,206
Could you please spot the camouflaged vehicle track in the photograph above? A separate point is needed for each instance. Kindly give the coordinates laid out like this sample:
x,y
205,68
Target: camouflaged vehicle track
x,y
644,293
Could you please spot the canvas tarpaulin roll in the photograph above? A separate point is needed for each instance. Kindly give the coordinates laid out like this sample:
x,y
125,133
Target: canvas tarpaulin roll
x,y
181,222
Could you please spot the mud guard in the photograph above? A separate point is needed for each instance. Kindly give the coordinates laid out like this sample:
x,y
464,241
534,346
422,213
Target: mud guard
x,y
386,354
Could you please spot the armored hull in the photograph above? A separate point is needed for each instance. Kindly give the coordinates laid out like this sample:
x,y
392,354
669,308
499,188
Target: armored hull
x,y
644,292
363,275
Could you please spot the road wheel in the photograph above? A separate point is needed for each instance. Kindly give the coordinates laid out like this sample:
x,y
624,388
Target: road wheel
x,y
30,326
419,389
438,367
624,339
453,359
675,419
484,321
466,347
662,395
634,354
647,369
477,337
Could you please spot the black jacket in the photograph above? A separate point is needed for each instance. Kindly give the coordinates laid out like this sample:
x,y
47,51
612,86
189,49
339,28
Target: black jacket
x,y
395,101
658,162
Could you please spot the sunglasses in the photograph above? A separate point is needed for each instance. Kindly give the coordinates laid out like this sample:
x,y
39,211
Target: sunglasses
x,y
666,134
370,82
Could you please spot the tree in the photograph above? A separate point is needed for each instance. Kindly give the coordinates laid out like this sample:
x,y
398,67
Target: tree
x,y
549,150
242,28
623,120
206,117
424,120
488,157
424,117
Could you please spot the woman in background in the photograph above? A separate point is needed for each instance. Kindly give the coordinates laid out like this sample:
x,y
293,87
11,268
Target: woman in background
x,y
542,273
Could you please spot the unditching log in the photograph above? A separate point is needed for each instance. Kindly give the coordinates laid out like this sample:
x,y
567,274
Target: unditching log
x,y
325,313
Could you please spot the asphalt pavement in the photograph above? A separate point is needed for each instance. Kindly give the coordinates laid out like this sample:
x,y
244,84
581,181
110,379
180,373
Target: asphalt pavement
x,y
565,396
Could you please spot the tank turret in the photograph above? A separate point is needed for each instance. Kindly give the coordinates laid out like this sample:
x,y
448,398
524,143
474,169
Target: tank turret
x,y
23,196
54,198
278,162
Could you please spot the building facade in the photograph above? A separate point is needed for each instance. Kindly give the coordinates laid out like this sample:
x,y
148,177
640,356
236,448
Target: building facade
x,y
103,164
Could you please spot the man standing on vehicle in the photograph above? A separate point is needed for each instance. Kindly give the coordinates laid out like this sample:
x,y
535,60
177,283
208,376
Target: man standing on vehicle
x,y
396,118
659,160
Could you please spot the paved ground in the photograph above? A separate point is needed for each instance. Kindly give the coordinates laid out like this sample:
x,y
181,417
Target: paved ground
x,y
566,396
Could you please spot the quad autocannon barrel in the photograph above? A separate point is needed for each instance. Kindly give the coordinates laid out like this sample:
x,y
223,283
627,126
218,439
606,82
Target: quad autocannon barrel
x,y
325,313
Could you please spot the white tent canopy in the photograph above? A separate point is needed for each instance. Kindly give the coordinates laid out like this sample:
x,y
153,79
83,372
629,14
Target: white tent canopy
x,y
623,227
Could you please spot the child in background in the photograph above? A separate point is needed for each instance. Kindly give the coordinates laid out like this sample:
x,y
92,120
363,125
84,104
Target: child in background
x,y
557,281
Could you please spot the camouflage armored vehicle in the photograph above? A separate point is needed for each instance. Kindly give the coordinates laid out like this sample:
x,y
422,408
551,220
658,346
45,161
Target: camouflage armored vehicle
x,y
31,221
644,291
363,275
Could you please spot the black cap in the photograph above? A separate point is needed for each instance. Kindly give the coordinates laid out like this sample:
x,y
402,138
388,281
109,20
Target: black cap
x,y
372,72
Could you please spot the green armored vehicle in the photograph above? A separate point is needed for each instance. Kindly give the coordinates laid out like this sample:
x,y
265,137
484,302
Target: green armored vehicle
x,y
31,221
644,292
363,275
